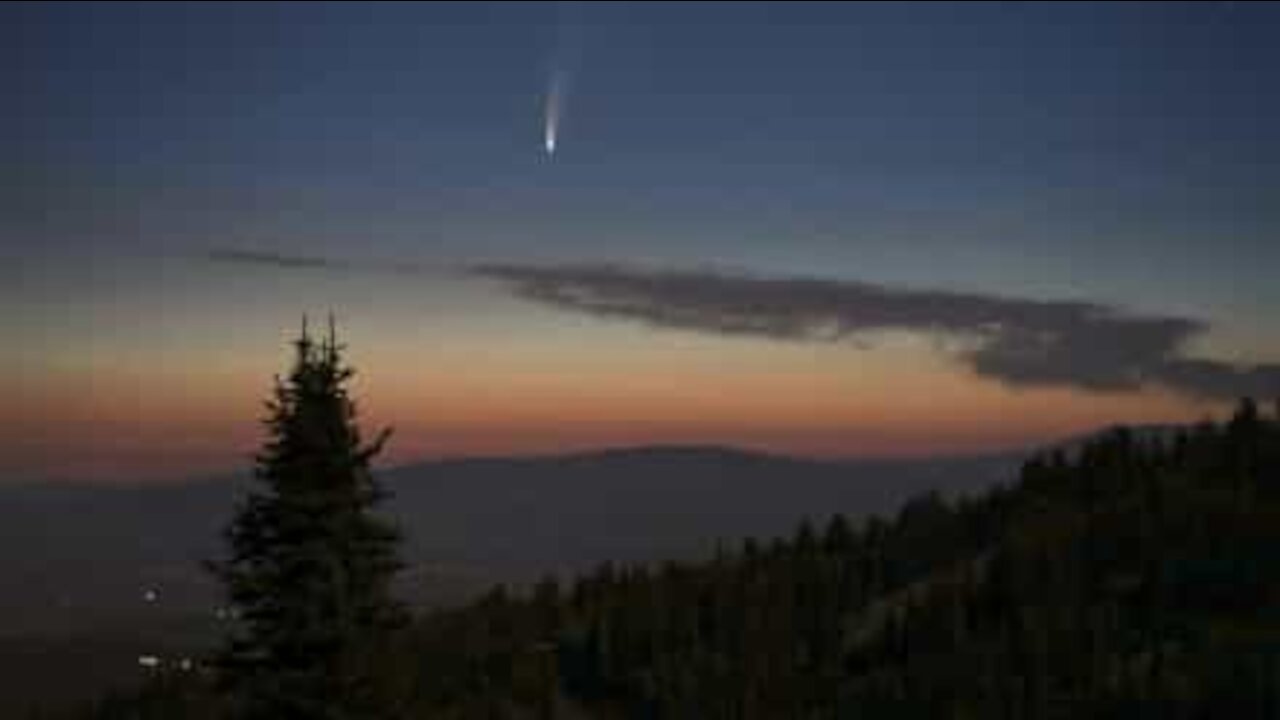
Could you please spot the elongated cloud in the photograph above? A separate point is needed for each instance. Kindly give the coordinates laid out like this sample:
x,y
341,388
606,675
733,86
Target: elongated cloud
x,y
284,261
1017,342
1014,341
292,262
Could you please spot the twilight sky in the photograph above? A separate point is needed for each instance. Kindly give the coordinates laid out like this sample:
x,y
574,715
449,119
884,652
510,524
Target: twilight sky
x,y
895,229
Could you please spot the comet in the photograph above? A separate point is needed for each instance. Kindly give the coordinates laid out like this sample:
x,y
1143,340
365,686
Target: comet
x,y
551,118
562,72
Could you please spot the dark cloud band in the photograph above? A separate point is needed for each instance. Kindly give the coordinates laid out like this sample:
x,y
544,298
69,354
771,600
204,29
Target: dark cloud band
x,y
1017,342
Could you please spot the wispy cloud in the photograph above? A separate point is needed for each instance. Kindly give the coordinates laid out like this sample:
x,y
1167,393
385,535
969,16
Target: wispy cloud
x,y
1018,342
271,259
284,261
1015,341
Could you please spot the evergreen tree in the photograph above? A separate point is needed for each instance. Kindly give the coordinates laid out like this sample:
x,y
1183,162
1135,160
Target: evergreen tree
x,y
310,565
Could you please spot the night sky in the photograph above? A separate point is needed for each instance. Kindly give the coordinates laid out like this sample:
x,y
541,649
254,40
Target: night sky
x,y
832,230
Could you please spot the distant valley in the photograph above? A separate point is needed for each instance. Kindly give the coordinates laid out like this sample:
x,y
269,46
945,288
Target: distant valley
x,y
84,558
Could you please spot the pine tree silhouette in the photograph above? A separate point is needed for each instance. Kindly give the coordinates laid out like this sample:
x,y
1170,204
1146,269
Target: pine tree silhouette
x,y
310,565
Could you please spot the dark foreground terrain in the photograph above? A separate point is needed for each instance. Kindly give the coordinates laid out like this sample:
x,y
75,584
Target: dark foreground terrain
x,y
1134,577
76,618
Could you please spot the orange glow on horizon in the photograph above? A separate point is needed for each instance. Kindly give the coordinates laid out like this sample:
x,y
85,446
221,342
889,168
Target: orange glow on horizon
x,y
116,424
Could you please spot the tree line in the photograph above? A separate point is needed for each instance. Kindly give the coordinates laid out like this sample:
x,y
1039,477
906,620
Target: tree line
x,y
1132,576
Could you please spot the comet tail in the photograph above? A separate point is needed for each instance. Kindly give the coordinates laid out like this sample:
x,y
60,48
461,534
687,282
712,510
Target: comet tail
x,y
555,98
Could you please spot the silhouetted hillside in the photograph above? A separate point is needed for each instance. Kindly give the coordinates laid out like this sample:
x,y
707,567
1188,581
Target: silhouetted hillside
x,y
518,518
1133,577
82,558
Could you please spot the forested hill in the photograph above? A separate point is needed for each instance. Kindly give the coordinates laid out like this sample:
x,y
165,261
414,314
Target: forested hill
x,y
1136,577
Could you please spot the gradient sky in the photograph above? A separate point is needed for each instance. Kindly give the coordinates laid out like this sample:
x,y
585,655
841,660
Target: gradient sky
x,y
1121,155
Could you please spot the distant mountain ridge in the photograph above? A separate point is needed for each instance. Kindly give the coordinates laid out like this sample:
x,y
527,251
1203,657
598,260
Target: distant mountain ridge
x,y
83,555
